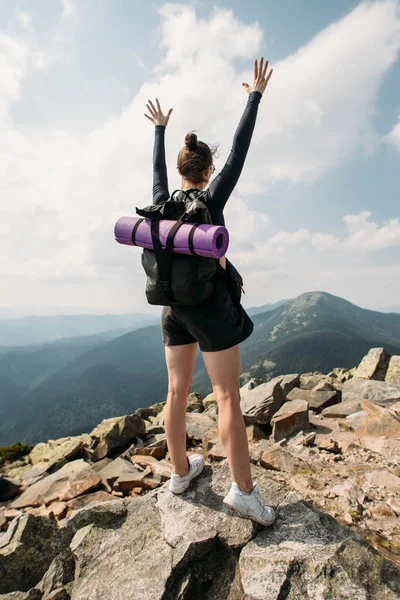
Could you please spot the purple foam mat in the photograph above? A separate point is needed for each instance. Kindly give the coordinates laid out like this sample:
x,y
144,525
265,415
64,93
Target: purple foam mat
x,y
209,240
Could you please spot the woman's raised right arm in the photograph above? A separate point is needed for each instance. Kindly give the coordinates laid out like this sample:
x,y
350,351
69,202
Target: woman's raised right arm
x,y
222,186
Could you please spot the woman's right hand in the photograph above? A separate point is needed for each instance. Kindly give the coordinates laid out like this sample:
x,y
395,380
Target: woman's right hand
x,y
260,82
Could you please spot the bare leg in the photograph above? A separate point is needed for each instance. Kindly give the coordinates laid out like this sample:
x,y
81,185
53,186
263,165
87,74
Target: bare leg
x,y
180,364
223,368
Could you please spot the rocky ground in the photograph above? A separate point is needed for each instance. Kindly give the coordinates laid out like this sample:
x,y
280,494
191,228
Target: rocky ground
x,y
91,517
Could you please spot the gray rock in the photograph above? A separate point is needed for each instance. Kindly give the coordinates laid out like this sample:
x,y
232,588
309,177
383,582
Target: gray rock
x,y
261,403
378,392
73,479
26,552
307,554
116,434
115,469
316,400
374,365
197,425
342,410
393,372
251,384
288,382
290,418
56,453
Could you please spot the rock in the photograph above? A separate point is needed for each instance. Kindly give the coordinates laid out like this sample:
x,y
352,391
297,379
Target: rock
x,y
194,403
8,488
251,384
287,382
26,550
34,474
255,432
393,372
281,460
142,460
384,478
209,401
60,572
197,425
161,468
117,469
216,450
381,510
290,418
73,479
309,380
379,392
356,419
329,445
212,412
378,424
374,365
323,386
116,434
261,403
167,546
341,410
86,499
157,449
394,503
56,453
309,439
316,400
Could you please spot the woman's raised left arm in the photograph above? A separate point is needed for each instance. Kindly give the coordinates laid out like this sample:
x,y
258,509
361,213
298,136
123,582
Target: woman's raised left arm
x,y
160,178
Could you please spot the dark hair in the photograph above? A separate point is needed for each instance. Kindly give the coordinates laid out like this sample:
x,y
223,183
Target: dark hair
x,y
194,158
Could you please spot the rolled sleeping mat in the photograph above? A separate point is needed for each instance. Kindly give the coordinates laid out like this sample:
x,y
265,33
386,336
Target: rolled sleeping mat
x,y
207,240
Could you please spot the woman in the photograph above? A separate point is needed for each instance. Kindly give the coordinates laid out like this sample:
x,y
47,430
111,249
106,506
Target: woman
x,y
218,325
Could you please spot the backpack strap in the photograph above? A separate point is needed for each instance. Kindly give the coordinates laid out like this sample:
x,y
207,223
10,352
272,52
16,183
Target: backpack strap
x,y
164,257
191,236
134,230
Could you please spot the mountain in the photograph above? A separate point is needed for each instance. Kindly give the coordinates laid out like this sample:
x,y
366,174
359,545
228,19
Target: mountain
x,y
315,331
255,310
37,329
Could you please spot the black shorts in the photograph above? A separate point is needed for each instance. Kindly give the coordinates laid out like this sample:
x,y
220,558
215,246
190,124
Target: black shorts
x,y
217,324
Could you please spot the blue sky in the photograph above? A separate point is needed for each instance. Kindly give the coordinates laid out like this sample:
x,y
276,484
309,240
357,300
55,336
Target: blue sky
x,y
317,205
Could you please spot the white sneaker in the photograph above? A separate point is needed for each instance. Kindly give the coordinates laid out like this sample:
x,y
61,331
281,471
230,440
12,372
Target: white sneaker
x,y
179,483
250,505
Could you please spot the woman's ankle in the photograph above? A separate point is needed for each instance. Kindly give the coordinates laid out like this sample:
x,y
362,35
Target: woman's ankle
x,y
186,472
246,488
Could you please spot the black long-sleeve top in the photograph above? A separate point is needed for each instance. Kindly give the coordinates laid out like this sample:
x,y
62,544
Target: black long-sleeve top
x,y
222,186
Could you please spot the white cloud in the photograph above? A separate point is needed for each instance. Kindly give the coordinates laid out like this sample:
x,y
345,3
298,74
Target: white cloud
x,y
70,12
393,137
24,18
71,189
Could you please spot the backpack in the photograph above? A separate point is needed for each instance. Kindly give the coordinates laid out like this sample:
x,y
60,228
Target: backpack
x,y
177,279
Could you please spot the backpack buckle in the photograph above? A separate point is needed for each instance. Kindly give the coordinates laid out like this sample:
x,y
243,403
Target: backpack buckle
x,y
165,286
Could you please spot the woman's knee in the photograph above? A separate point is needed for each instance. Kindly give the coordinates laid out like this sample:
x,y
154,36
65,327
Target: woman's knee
x,y
225,396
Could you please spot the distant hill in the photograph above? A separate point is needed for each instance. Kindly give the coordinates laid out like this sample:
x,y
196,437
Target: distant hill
x,y
37,329
315,331
255,310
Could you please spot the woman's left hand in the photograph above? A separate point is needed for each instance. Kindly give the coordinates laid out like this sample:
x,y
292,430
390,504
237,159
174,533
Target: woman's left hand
x,y
156,115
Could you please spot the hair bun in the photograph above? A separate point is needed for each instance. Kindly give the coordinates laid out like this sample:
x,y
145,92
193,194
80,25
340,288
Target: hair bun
x,y
191,140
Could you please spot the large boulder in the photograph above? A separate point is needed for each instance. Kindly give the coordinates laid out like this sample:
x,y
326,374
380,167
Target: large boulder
x,y
27,549
72,480
192,546
290,418
197,425
317,400
116,434
288,382
261,403
374,365
56,453
393,372
378,392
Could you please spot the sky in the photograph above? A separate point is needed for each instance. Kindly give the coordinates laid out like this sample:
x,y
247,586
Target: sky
x,y
317,205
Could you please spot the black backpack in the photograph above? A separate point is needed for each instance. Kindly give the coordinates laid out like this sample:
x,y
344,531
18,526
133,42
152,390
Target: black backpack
x,y
177,279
